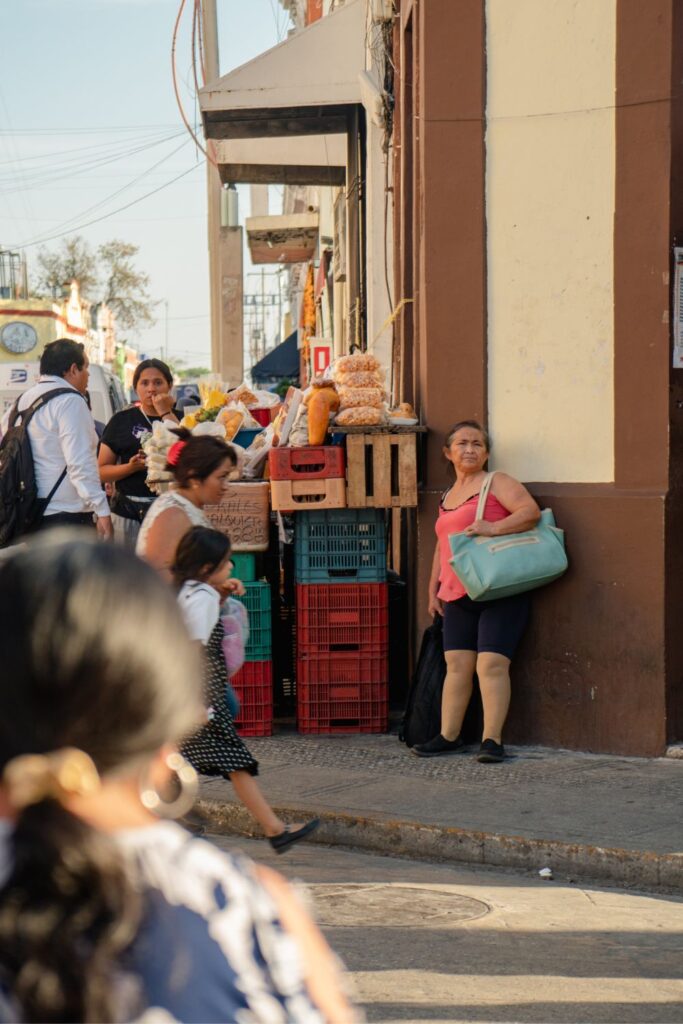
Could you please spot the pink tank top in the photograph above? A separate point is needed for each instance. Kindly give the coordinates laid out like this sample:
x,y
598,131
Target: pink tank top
x,y
455,520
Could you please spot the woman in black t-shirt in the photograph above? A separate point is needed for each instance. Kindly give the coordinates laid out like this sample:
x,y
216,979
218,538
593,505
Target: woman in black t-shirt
x,y
121,459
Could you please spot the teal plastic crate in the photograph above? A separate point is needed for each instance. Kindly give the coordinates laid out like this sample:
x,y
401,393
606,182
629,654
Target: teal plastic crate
x,y
257,602
340,546
244,566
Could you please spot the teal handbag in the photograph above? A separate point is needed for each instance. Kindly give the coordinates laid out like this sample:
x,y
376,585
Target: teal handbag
x,y
492,567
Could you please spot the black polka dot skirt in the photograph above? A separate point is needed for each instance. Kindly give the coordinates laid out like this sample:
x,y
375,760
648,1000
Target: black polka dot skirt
x,y
217,749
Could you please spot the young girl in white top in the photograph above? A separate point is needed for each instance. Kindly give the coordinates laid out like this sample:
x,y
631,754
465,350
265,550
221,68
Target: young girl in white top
x,y
201,571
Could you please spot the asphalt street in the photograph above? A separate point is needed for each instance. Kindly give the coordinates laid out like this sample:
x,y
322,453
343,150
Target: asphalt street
x,y
432,942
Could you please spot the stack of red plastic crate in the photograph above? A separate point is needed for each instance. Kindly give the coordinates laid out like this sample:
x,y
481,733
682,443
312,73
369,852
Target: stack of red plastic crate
x,y
342,616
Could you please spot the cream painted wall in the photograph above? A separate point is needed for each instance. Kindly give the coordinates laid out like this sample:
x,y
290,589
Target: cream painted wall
x,y
550,206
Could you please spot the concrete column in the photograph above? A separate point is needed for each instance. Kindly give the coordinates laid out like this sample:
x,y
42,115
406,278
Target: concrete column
x,y
230,362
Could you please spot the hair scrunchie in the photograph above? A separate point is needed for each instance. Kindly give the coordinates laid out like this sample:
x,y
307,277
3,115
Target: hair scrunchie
x,y
174,452
30,778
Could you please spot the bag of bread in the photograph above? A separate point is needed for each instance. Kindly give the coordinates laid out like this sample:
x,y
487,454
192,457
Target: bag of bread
x,y
231,419
243,394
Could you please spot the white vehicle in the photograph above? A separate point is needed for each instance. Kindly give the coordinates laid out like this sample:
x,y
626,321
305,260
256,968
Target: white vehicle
x,y
106,394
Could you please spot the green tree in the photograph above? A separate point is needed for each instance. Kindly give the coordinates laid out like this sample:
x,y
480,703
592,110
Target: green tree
x,y
73,259
125,289
107,275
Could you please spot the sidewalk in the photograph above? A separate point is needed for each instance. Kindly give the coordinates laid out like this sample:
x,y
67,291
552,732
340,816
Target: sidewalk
x,y
609,819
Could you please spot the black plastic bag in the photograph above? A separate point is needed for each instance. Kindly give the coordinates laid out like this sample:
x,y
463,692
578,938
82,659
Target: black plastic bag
x,y
422,716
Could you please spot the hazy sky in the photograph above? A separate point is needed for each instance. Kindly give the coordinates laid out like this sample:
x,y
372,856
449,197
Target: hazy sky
x,y
84,85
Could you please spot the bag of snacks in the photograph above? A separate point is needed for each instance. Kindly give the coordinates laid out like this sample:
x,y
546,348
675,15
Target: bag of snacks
x,y
361,379
350,398
354,363
361,416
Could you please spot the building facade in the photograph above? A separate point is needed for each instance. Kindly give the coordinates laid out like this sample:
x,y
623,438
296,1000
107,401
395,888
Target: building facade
x,y
537,187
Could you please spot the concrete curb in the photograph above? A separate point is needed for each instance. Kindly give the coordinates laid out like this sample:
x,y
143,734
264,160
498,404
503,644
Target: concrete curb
x,y
569,861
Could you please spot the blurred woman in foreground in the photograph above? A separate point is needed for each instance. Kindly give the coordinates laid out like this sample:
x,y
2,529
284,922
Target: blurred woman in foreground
x,y
107,913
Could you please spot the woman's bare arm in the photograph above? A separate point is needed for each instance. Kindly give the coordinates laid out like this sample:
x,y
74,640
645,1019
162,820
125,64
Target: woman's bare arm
x,y
524,512
322,975
435,605
110,471
163,538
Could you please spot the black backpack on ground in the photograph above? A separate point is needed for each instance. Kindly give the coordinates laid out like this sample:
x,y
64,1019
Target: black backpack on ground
x,y
20,507
422,716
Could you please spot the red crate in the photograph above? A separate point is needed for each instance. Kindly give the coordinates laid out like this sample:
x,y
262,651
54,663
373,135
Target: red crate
x,y
343,617
318,463
342,693
253,684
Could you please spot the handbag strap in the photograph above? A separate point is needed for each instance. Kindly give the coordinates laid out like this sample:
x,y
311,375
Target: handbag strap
x,y
483,495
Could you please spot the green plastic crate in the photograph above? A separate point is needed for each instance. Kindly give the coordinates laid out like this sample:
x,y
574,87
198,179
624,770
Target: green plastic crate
x,y
244,566
257,602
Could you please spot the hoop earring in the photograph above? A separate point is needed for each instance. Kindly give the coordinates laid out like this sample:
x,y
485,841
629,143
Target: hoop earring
x,y
188,785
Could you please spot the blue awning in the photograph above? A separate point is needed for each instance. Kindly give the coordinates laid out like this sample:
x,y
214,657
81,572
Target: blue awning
x,y
282,362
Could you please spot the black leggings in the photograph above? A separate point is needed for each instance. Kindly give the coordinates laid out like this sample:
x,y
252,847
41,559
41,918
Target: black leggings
x,y
495,627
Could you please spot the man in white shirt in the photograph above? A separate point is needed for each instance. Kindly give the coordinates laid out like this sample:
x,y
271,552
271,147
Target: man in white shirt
x,y
62,434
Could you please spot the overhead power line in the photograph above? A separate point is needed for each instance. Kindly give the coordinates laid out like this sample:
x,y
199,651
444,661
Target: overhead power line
x,y
75,168
124,188
112,213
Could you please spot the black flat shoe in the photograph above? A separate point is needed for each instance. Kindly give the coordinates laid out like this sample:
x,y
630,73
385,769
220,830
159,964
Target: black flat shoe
x,y
438,746
491,752
284,840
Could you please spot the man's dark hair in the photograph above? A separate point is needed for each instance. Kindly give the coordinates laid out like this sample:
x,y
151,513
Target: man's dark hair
x,y
59,356
152,364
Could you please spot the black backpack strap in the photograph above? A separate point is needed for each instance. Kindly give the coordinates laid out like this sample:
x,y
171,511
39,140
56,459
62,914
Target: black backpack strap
x,y
28,413
60,480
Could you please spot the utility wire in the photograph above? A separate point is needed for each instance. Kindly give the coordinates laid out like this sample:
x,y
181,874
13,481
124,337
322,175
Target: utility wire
x,y
174,74
124,188
86,131
106,216
82,167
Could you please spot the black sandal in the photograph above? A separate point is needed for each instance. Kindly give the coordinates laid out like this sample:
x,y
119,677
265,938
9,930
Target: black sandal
x,y
284,840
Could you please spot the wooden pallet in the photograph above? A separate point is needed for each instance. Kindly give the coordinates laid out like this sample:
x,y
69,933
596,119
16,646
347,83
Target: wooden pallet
x,y
381,470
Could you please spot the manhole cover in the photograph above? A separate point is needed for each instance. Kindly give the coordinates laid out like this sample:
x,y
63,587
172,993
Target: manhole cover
x,y
344,905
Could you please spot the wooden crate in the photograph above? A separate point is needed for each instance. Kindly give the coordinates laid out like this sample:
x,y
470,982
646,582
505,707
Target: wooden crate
x,y
307,495
381,470
244,515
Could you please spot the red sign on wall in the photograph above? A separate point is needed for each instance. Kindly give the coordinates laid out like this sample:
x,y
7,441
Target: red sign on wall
x,y
321,355
314,11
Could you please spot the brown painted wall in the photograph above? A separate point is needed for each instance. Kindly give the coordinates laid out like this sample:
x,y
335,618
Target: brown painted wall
x,y
590,672
451,282
674,518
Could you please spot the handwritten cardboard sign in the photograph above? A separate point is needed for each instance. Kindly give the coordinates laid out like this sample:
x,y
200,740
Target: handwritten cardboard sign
x,y
244,515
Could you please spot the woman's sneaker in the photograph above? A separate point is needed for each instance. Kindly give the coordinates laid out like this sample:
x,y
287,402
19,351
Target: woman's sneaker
x,y
438,747
491,752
